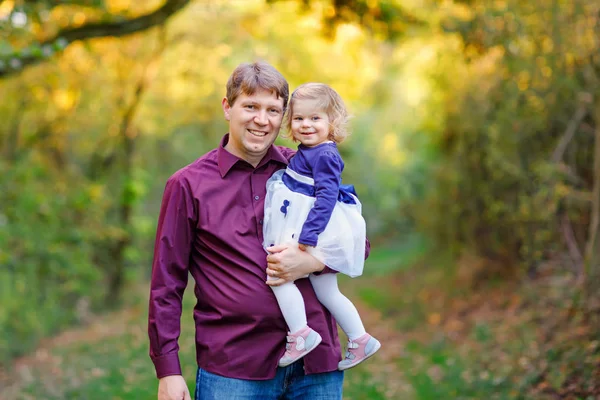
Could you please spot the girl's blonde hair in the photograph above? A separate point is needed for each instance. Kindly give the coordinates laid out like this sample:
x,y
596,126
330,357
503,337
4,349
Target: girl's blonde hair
x,y
329,101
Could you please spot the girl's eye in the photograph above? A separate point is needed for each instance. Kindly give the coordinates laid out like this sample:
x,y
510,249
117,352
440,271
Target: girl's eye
x,y
315,118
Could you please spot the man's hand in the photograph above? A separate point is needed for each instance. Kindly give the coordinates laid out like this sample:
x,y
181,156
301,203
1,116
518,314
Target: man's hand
x,y
173,387
286,263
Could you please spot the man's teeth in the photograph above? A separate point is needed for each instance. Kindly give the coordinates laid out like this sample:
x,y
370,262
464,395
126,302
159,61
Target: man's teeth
x,y
257,133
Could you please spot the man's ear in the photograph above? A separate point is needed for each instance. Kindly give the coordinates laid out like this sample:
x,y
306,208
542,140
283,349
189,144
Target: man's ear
x,y
226,108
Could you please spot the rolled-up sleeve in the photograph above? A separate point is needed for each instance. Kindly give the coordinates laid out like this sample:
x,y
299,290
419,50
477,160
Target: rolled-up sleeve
x,y
172,248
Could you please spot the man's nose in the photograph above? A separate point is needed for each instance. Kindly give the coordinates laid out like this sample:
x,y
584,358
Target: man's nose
x,y
261,117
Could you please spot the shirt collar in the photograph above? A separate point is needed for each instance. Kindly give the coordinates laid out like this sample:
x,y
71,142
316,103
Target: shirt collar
x,y
226,160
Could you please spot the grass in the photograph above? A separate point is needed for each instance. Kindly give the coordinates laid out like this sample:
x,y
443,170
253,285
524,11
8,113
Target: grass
x,y
109,360
442,340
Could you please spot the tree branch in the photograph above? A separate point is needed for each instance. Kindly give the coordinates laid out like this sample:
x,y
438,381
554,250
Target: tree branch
x,y
592,250
569,133
572,246
98,30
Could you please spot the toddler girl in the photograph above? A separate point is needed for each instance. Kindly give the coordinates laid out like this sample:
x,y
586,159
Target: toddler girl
x,y
307,205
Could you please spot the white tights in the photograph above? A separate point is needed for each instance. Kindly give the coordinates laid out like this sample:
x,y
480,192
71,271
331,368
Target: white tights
x,y
291,304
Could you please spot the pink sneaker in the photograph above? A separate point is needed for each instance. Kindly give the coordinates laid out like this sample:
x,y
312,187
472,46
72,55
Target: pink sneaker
x,y
299,344
359,350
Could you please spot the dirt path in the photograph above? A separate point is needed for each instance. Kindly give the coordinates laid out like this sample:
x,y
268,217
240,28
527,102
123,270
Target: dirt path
x,y
57,365
48,368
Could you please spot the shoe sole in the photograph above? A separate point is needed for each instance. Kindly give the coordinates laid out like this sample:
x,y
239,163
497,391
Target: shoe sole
x,y
317,342
377,347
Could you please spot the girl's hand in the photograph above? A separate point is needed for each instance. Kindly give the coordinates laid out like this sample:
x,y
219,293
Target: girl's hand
x,y
302,246
288,263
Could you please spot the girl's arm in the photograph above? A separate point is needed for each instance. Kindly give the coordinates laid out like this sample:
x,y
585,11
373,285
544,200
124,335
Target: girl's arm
x,y
327,174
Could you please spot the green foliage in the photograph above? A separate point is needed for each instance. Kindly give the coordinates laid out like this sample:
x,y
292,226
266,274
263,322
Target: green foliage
x,y
453,137
496,190
435,372
48,276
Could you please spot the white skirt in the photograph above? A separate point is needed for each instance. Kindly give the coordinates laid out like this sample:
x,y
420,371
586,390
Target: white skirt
x,y
341,246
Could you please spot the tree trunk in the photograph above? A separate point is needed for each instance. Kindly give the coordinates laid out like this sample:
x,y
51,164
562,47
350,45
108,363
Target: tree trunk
x,y
128,134
593,244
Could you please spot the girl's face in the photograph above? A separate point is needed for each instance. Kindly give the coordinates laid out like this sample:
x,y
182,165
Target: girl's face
x,y
310,124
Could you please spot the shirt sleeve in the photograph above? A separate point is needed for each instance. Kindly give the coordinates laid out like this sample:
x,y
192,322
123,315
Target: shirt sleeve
x,y
327,174
172,248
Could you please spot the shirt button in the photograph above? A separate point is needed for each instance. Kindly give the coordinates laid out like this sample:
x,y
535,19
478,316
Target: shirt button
x,y
260,222
256,197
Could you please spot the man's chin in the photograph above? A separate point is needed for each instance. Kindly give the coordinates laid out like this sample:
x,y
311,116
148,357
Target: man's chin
x,y
261,144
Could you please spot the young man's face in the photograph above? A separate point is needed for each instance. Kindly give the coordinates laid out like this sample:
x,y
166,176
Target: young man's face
x,y
254,122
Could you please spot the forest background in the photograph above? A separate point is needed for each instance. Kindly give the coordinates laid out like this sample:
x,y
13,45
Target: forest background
x,y
475,151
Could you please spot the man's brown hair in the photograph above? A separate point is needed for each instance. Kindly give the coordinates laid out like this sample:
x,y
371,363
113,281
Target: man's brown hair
x,y
247,78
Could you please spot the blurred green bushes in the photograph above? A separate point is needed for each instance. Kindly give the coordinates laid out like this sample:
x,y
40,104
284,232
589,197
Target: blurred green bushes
x,y
48,224
473,133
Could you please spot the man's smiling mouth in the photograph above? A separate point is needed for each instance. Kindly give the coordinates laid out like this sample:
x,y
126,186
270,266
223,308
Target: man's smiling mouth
x,y
257,133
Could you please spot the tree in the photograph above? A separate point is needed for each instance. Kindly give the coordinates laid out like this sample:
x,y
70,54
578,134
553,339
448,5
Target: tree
x,y
21,19
26,16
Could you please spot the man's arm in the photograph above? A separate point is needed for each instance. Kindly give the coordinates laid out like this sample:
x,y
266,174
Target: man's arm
x,y
288,263
172,249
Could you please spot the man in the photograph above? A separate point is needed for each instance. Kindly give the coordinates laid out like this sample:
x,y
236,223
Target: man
x,y
210,225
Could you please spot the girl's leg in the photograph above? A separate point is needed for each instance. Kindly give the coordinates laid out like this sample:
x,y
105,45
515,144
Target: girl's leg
x,y
301,339
346,315
361,345
291,304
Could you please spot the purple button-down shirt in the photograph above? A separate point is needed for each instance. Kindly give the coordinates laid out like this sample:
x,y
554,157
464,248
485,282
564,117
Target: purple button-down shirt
x,y
210,225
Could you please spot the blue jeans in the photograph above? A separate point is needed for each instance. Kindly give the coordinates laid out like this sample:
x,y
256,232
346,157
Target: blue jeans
x,y
290,383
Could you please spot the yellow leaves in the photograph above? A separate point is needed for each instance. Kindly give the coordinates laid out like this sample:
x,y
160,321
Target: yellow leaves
x,y
79,19
348,32
329,11
390,151
570,59
5,8
462,12
372,4
95,191
523,80
222,50
547,45
64,99
434,319
39,93
546,72
118,6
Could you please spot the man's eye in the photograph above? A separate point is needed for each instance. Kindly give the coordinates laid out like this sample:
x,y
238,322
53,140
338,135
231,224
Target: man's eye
x,y
250,107
274,111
